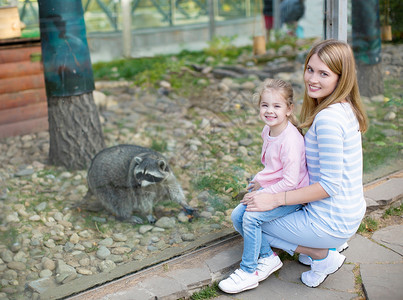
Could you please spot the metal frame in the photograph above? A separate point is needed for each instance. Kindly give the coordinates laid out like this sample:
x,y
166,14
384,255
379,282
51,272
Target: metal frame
x,y
335,20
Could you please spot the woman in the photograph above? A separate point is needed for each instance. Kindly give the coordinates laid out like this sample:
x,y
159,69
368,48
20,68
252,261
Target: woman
x,y
335,204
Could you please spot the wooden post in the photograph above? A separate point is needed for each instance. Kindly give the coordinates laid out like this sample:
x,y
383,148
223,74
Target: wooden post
x,y
211,12
172,12
276,14
336,20
127,25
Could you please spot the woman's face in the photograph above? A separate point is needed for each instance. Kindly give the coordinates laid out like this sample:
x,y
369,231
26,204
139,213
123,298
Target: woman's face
x,y
320,81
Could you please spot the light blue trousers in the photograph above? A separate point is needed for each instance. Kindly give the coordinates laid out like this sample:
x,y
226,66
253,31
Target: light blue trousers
x,y
298,229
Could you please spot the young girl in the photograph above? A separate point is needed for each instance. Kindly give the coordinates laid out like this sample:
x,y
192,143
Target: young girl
x,y
335,204
283,158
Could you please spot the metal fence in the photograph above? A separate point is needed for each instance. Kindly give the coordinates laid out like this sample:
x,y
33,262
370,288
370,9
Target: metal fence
x,y
106,15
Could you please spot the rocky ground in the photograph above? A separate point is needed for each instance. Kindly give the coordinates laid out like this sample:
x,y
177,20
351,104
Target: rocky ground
x,y
212,141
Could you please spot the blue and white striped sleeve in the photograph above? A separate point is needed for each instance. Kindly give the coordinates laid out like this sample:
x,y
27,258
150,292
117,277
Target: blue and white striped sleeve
x,y
330,138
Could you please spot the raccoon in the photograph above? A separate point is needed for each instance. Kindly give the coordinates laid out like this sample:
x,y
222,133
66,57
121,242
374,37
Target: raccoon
x,y
130,178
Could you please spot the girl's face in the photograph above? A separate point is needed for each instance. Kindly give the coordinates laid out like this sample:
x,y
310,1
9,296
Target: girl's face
x,y
320,81
274,111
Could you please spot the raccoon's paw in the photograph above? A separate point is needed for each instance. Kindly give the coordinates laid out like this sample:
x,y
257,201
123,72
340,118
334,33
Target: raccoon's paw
x,y
135,220
190,210
151,219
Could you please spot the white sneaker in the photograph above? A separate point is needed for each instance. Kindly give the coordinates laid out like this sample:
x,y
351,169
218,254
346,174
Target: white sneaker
x,y
342,247
320,269
307,260
268,265
239,281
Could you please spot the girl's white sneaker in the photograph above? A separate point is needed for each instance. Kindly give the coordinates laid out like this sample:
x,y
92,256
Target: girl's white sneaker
x,y
239,281
268,265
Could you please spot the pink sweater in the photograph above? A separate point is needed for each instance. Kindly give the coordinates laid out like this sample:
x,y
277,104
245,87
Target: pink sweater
x,y
284,161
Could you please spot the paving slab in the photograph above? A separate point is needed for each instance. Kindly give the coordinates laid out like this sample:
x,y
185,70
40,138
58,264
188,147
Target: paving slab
x,y
274,288
132,293
342,280
226,260
383,281
291,271
364,251
391,237
192,278
165,288
387,192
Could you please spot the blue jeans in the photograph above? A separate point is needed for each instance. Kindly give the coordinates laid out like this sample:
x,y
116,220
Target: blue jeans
x,y
248,224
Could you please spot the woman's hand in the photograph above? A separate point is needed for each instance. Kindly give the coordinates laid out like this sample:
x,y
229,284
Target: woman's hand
x,y
258,201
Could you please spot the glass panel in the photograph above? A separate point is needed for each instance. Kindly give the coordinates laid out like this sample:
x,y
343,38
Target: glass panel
x,y
105,15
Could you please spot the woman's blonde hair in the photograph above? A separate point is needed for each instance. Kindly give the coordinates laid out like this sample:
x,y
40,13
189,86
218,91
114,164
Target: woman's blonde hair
x,y
338,56
283,88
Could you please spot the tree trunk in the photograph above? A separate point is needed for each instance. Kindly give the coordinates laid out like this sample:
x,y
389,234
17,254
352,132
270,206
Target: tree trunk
x,y
75,131
370,79
367,46
74,127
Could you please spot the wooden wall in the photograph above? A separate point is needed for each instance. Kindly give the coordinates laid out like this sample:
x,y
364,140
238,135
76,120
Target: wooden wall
x,y
23,104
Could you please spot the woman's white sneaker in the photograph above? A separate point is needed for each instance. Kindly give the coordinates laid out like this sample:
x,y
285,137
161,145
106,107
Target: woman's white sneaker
x,y
239,281
320,269
307,260
268,265
342,247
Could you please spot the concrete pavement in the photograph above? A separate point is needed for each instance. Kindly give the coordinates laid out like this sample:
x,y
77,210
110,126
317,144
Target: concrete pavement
x,y
375,264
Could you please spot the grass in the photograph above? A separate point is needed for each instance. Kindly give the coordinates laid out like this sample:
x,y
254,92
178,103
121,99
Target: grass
x,y
206,293
368,225
383,143
394,211
159,145
9,237
358,282
219,182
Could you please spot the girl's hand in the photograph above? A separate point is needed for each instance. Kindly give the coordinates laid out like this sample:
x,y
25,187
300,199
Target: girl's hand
x,y
254,186
259,201
247,198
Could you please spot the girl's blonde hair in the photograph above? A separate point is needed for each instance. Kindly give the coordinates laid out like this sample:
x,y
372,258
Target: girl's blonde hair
x,y
338,56
283,88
